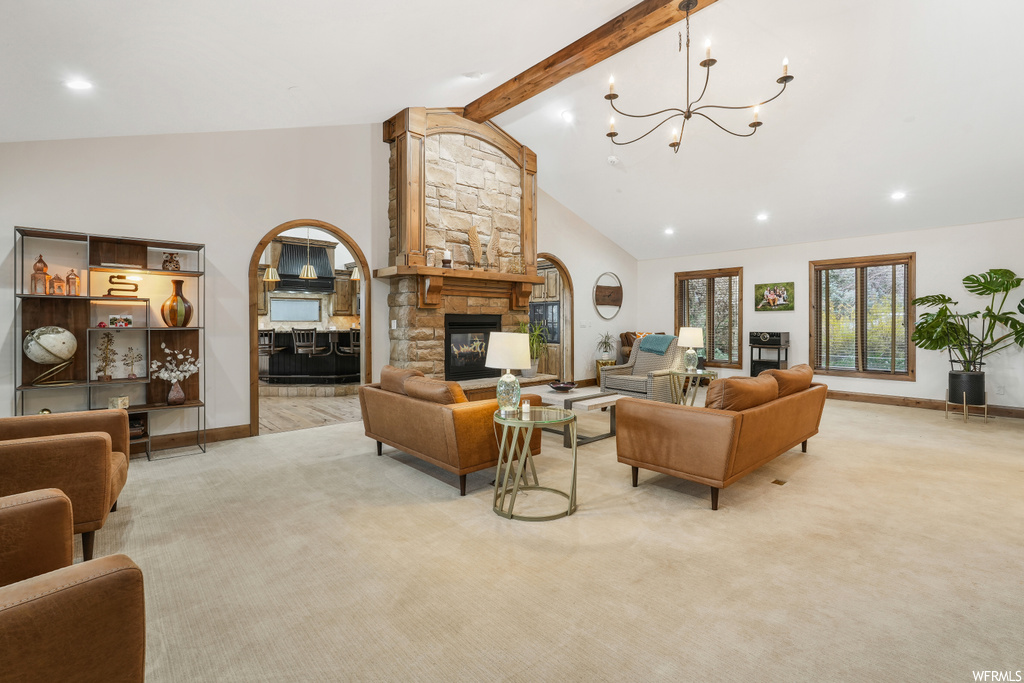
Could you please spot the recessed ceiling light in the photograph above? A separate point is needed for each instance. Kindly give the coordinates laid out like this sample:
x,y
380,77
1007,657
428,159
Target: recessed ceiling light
x,y
78,84
669,231
567,116
762,216
473,75
898,195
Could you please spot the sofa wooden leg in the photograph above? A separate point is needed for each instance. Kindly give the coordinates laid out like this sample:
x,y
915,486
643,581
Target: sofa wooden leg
x,y
380,447
714,498
462,484
803,446
87,540
636,475
113,508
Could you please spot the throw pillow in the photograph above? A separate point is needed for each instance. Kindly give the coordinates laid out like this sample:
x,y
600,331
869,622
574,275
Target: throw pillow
x,y
741,393
435,390
641,335
793,380
393,379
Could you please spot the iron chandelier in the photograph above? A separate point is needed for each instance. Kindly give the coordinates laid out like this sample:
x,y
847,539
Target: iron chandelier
x,y
691,109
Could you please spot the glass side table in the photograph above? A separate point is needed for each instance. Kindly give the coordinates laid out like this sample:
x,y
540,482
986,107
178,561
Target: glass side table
x,y
684,384
514,453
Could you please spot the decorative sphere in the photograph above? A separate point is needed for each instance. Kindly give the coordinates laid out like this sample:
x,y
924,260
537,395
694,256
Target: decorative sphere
x,y
45,411
50,345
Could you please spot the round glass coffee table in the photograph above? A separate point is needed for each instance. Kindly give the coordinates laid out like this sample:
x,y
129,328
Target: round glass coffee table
x,y
514,454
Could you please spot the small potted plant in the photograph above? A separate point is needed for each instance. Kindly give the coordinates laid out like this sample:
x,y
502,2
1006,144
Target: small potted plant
x,y
995,329
106,356
605,344
178,366
538,336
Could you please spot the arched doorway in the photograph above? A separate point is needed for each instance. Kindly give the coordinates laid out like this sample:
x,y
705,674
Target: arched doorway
x,y
552,303
255,289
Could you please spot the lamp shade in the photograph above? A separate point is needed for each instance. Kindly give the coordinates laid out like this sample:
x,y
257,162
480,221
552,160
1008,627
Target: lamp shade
x,y
308,272
271,275
691,337
508,350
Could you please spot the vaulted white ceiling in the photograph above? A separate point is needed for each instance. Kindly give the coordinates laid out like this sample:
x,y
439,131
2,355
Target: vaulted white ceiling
x,y
921,96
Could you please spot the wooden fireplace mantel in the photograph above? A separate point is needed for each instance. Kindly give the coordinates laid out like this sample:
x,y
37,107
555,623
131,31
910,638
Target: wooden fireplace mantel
x,y
437,282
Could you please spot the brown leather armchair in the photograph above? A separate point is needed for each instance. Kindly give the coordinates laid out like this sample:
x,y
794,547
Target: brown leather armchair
x,y
83,454
58,621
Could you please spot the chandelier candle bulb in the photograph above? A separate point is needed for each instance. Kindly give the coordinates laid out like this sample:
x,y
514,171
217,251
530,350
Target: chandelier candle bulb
x,y
611,125
707,49
785,66
611,85
755,114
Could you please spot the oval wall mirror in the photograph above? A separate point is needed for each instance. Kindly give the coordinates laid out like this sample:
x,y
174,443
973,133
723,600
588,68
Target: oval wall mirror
x,y
608,295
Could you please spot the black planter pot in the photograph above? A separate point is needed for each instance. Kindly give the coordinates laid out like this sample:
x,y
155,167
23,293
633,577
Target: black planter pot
x,y
970,383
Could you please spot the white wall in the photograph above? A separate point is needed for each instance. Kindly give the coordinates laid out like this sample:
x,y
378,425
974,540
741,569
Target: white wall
x,y
226,190
587,253
944,257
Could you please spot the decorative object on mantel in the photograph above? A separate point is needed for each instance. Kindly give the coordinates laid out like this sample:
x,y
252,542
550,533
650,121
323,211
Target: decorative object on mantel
x,y
508,351
74,283
431,257
515,261
177,310
177,367
492,251
605,344
474,246
123,285
106,355
690,110
446,260
130,358
171,261
946,329
38,282
50,345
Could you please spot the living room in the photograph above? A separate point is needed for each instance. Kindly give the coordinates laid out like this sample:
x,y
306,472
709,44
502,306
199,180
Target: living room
x,y
885,553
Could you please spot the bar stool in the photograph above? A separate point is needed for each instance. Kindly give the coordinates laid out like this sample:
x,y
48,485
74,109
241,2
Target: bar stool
x,y
304,341
353,347
265,343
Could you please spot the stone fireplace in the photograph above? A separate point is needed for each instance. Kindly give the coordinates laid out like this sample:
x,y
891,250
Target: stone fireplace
x,y
454,181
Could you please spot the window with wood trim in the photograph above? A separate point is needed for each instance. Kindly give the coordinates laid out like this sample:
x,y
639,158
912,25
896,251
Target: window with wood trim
x,y
713,300
861,316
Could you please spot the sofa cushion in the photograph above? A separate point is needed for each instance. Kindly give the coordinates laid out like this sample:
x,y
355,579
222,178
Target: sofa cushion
x,y
435,390
793,380
740,393
393,379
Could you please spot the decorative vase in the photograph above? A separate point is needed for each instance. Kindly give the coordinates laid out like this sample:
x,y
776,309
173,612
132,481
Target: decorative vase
x,y
176,396
532,370
177,310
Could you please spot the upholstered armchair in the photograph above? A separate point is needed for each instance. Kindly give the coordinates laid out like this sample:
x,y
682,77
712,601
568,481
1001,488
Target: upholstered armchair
x,y
83,454
58,621
645,374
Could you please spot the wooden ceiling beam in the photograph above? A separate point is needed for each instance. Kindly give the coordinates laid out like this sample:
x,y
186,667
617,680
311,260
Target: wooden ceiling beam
x,y
629,28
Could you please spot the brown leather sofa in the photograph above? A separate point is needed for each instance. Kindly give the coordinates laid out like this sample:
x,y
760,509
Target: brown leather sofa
x,y
434,421
747,422
627,339
84,454
58,621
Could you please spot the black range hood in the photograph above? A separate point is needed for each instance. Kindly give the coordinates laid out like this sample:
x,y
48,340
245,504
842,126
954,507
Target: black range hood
x,y
293,258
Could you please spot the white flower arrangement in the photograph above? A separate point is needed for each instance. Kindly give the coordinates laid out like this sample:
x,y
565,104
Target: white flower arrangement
x,y
177,366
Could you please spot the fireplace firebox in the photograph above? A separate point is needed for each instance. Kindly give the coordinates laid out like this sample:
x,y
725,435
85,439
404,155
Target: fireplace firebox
x,y
465,345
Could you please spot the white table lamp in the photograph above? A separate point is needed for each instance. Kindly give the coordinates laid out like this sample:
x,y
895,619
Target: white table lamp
x,y
508,351
692,338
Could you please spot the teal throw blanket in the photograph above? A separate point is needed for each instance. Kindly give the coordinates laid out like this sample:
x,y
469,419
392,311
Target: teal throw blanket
x,y
657,343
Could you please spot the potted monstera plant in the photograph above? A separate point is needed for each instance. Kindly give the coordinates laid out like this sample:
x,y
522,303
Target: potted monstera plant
x,y
969,337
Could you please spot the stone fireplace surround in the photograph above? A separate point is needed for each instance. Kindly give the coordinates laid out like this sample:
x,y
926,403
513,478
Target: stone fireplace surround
x,y
447,174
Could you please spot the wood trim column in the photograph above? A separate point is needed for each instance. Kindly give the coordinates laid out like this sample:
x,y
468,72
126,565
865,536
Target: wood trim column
x,y
408,130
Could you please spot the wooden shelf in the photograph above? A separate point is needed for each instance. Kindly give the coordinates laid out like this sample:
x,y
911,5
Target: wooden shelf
x,y
459,274
143,271
154,407
61,297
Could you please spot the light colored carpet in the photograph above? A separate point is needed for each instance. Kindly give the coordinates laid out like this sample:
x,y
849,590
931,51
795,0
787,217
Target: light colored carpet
x,y
894,551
